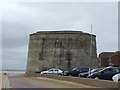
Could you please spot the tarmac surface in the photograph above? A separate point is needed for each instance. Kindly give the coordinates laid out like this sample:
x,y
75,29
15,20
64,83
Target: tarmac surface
x,y
20,81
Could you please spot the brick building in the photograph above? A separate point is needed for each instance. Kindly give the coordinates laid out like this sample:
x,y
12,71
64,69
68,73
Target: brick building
x,y
109,58
115,58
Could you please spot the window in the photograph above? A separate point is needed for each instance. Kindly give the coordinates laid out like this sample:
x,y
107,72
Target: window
x,y
108,70
50,70
56,70
117,70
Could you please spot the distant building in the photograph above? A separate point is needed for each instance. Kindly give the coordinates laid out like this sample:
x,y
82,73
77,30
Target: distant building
x,y
104,58
109,58
115,58
61,49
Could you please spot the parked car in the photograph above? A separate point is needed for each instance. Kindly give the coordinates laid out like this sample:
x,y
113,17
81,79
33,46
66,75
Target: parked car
x,y
53,71
116,77
106,73
65,72
76,71
85,74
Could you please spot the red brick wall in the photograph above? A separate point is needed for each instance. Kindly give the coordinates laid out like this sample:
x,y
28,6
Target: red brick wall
x,y
116,60
104,62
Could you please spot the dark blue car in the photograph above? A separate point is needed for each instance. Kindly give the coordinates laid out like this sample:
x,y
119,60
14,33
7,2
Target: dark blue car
x,y
85,74
106,74
76,71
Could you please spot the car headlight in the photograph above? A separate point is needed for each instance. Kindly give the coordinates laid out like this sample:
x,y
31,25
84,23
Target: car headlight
x,y
42,73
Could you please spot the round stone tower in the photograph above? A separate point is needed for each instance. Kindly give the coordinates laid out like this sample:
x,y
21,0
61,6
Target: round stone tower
x,y
61,49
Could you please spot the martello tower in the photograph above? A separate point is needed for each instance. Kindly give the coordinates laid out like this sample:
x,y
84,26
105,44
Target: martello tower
x,y
61,49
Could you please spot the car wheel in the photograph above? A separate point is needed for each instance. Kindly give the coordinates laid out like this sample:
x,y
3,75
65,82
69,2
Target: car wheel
x,y
96,78
59,74
118,80
69,75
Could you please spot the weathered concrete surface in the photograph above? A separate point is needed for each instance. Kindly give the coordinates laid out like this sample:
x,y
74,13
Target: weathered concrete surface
x,y
105,84
40,82
61,49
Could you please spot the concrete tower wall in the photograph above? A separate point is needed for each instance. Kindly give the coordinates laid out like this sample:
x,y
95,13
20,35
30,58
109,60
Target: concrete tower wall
x,y
61,49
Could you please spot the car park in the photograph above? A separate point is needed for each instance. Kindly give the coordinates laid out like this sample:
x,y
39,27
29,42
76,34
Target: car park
x,y
85,74
76,71
53,71
116,77
106,74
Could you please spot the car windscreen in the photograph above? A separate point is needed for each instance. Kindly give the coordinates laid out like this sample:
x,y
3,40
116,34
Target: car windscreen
x,y
94,70
74,69
83,69
118,70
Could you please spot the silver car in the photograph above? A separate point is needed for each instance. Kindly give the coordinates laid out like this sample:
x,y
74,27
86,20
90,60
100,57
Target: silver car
x,y
53,71
116,78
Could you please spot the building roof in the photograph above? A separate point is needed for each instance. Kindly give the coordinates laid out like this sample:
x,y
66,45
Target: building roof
x,y
106,54
116,53
65,31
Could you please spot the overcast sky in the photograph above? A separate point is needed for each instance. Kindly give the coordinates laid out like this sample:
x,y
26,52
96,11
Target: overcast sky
x,y
19,19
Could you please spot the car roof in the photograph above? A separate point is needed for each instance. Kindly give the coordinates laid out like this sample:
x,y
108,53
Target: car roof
x,y
109,67
54,68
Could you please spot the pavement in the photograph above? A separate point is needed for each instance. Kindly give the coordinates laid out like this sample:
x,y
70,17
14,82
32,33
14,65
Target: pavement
x,y
20,81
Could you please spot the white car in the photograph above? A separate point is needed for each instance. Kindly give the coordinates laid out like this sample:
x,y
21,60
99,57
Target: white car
x,y
116,78
53,71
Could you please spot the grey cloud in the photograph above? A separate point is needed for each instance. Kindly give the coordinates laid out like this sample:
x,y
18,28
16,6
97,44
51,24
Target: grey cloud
x,y
14,58
21,19
14,35
14,42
